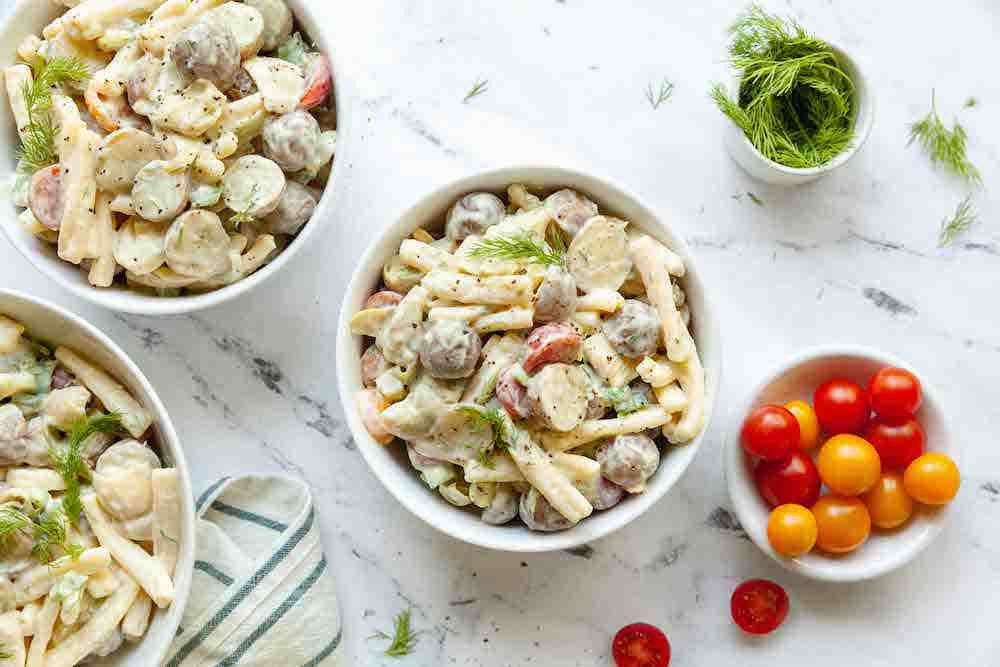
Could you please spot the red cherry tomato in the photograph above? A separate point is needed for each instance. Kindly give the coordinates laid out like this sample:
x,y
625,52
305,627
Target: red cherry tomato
x,y
770,432
841,406
759,606
640,645
792,481
550,343
898,440
894,392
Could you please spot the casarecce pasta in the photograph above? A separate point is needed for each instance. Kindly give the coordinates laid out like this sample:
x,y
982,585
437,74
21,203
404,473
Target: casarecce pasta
x,y
170,146
535,358
89,520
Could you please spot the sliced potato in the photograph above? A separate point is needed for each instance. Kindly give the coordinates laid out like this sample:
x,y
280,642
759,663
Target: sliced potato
x,y
162,278
193,111
277,22
280,82
197,244
253,185
121,155
368,322
160,191
598,257
139,245
246,23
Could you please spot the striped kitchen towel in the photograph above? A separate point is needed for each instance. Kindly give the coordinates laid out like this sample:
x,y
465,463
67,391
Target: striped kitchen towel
x,y
262,593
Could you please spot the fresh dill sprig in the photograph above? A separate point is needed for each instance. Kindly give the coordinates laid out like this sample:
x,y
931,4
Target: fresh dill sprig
x,y
960,222
485,458
491,418
944,146
658,96
38,144
69,461
970,102
520,248
12,520
403,639
478,88
49,532
624,400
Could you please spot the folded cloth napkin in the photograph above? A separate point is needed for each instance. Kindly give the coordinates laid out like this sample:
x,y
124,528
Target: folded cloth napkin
x,y
262,593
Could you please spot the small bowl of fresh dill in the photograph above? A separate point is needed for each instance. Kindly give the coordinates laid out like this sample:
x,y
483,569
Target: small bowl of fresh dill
x,y
800,107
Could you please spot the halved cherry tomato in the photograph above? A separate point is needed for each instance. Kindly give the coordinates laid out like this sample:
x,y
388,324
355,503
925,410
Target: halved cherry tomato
x,y
842,524
551,343
933,479
808,423
384,299
792,480
894,392
770,432
848,464
513,395
759,606
791,530
888,503
898,440
841,407
640,645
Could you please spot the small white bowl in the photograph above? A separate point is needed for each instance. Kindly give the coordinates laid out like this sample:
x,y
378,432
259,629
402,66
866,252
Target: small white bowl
x,y
390,464
29,17
57,326
797,378
754,163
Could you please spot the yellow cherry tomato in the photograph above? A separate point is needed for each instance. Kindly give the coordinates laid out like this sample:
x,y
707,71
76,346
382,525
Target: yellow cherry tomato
x,y
932,479
888,503
842,524
808,423
848,464
791,530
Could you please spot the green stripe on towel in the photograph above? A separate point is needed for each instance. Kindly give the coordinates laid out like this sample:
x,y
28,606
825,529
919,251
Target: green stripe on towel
x,y
208,492
244,515
214,572
325,653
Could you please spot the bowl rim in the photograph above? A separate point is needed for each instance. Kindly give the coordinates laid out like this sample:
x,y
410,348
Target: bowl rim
x,y
122,300
736,469
182,579
501,540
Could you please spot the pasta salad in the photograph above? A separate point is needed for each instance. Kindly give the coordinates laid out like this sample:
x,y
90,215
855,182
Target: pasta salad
x,y
89,519
171,146
535,357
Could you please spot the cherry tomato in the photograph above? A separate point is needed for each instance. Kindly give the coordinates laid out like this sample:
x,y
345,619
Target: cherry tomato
x,y
791,530
848,464
759,606
640,645
770,432
808,423
792,480
887,502
898,440
894,392
550,343
933,479
842,524
841,407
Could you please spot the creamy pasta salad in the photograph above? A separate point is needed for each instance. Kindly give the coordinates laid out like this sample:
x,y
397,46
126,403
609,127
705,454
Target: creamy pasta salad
x,y
89,520
172,146
535,358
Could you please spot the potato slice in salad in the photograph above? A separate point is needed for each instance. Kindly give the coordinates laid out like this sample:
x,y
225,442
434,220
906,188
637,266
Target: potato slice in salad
x,y
245,22
121,155
192,111
253,185
139,245
280,82
197,245
598,257
160,191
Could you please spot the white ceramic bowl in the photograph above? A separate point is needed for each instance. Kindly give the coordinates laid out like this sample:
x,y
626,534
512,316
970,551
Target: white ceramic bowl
x,y
754,163
29,17
797,378
58,326
390,464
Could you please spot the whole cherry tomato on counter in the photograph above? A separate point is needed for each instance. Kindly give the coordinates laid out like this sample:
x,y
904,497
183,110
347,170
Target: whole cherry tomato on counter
x,y
792,480
894,392
848,464
841,406
759,606
640,645
791,530
933,479
770,432
808,423
842,524
888,503
898,440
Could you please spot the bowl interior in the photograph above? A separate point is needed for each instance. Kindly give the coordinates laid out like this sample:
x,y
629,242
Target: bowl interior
x,y
57,326
798,379
390,464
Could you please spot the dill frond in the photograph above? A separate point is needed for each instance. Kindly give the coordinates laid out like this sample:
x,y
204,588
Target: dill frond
x,y
403,639
478,88
49,532
69,461
38,145
12,520
491,418
960,222
659,96
943,146
521,248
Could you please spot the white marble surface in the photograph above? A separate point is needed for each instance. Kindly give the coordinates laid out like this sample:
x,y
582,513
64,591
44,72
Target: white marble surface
x,y
851,258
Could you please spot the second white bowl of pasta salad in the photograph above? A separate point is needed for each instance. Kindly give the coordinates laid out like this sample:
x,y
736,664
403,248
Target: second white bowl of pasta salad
x,y
527,358
164,156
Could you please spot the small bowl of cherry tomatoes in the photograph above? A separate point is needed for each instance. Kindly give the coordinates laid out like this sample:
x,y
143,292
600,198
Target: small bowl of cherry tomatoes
x,y
843,467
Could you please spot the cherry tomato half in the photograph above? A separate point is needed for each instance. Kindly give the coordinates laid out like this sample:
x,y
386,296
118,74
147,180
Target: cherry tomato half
x,y
894,392
898,440
888,503
933,479
842,524
848,464
770,432
791,530
808,423
640,645
792,480
759,606
841,407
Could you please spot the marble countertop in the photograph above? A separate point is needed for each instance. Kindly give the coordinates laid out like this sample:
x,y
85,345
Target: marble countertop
x,y
851,258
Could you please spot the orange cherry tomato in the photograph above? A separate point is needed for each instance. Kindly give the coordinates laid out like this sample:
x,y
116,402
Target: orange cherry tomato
x,y
791,530
848,464
842,524
888,503
933,479
808,423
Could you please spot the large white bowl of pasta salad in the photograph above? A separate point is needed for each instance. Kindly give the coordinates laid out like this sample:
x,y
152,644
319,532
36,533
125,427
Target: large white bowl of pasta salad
x,y
96,513
527,358
164,156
